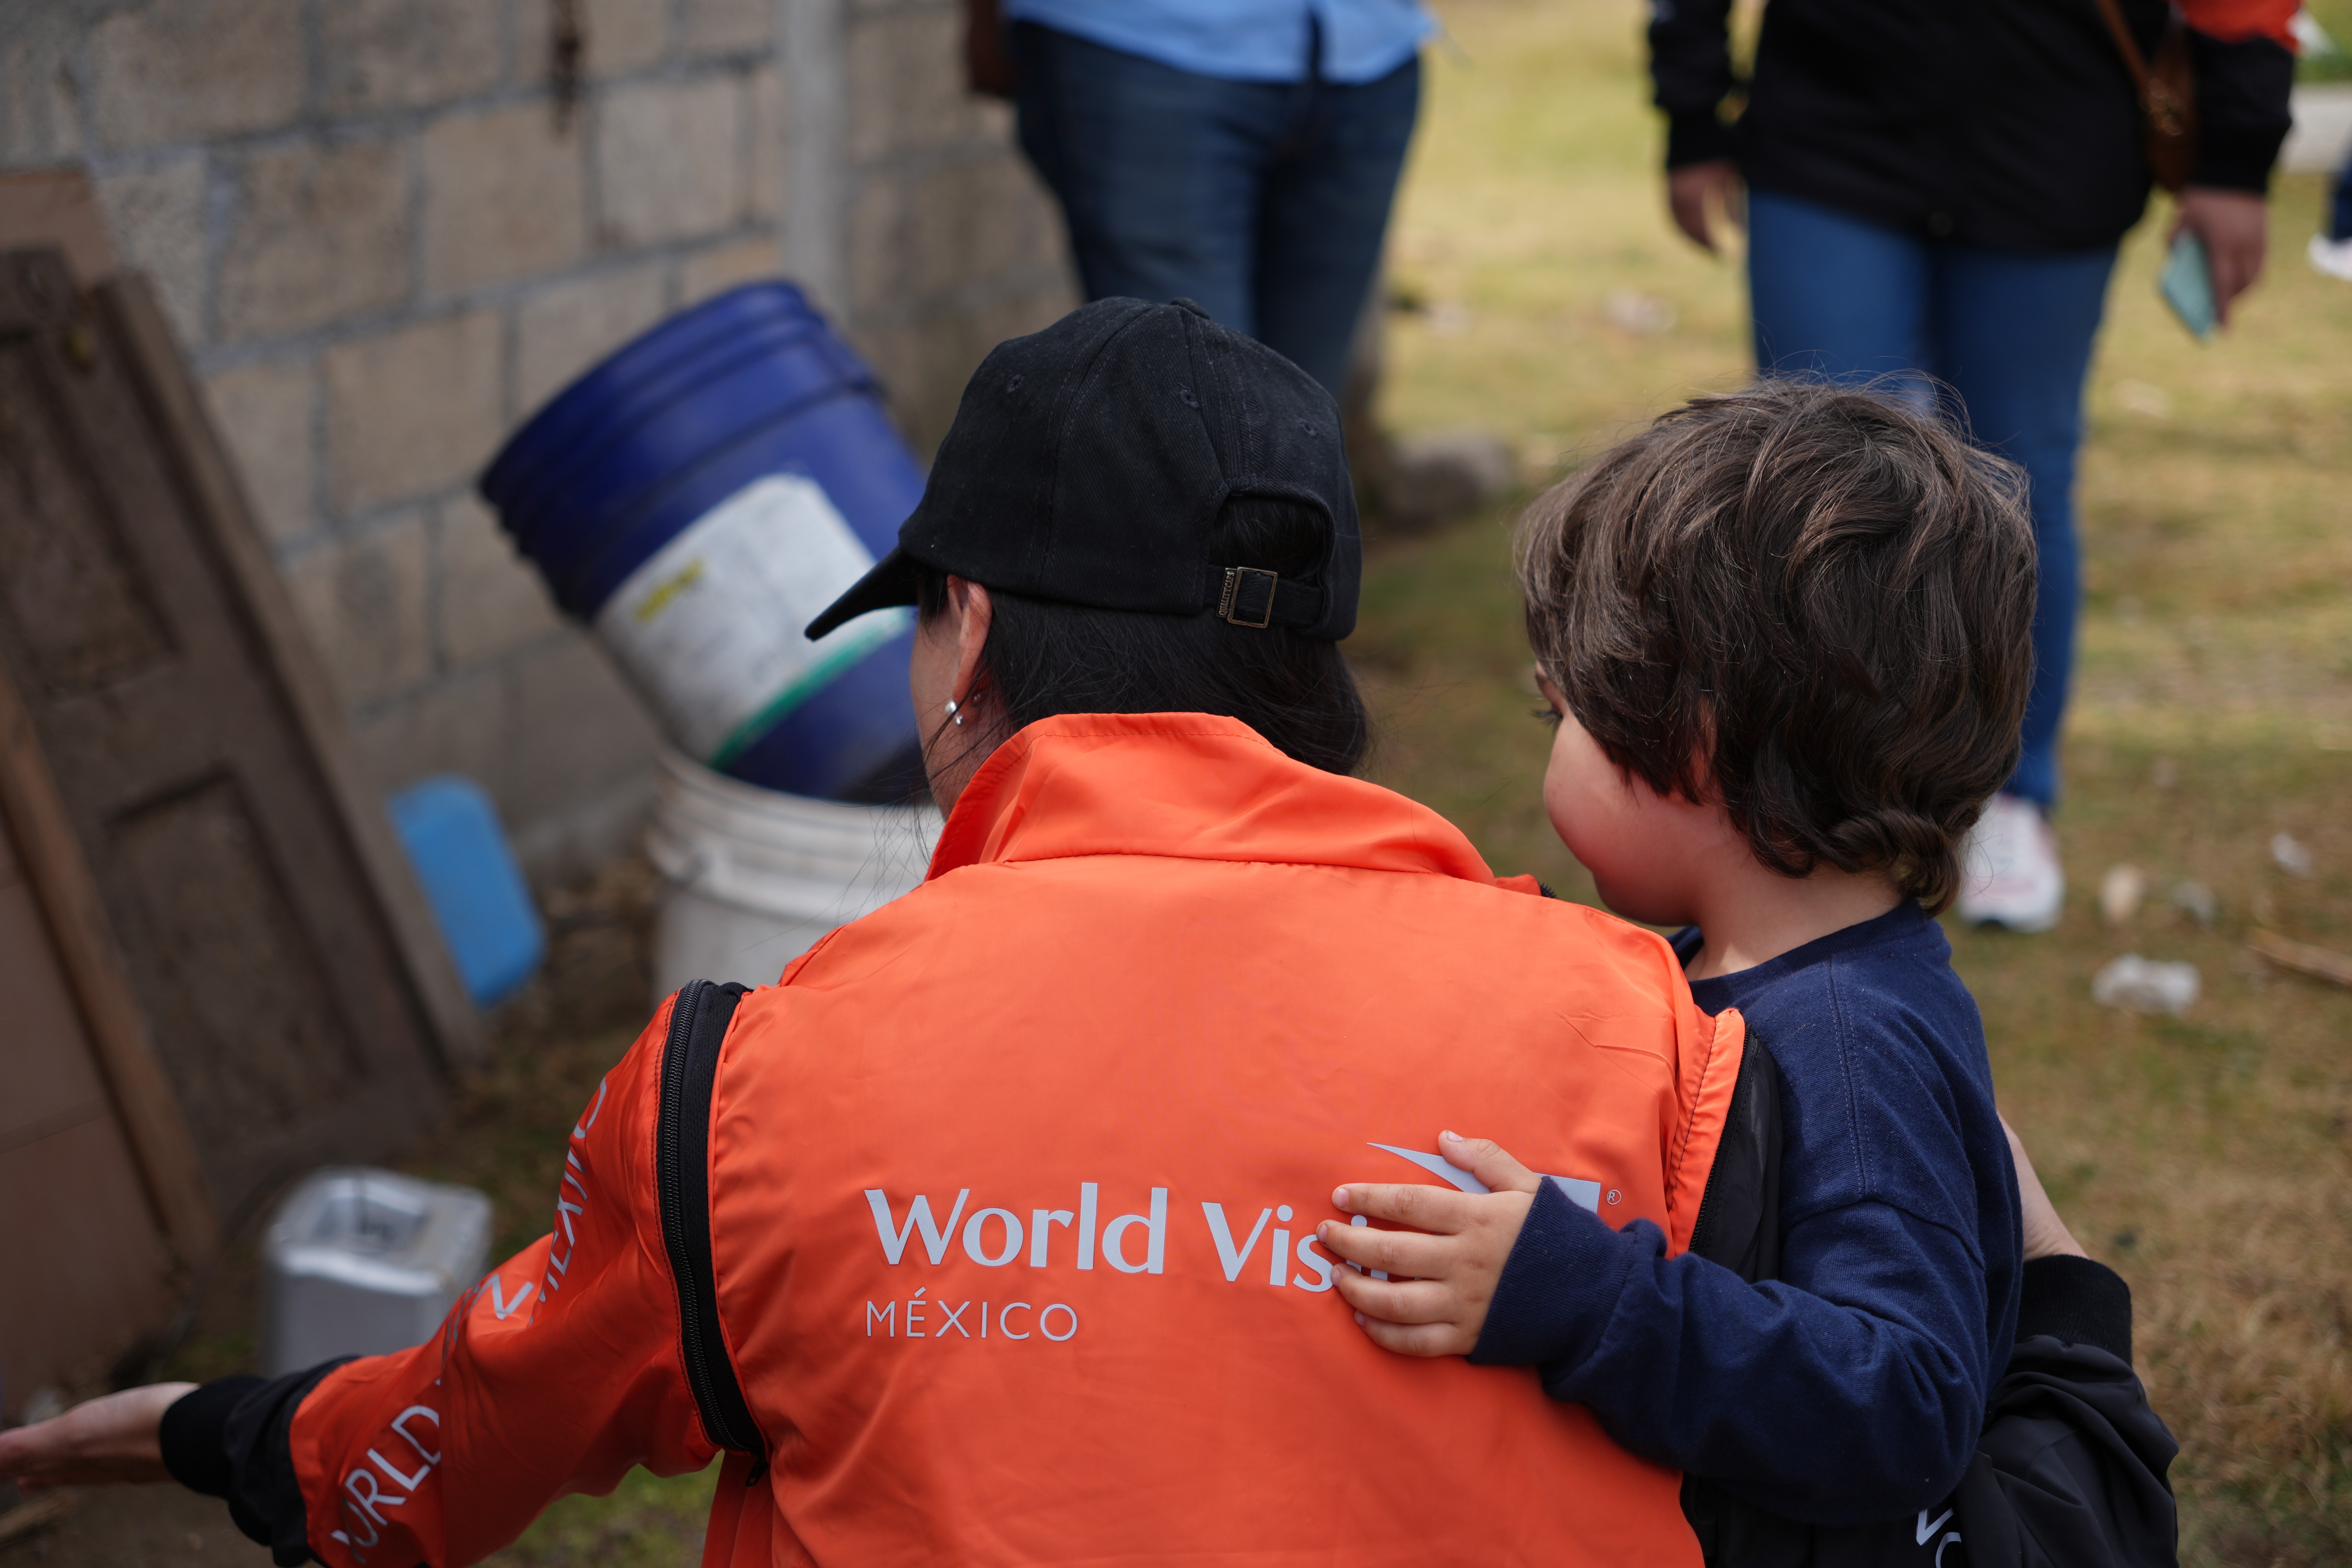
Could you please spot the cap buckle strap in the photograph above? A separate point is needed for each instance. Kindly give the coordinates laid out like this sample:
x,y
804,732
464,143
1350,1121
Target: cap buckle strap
x,y
1227,609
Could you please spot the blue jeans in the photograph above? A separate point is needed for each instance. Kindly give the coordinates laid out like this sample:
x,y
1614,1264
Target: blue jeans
x,y
1265,203
2008,331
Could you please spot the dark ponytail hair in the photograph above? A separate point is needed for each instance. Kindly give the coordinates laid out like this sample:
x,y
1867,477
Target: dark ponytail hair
x,y
1043,658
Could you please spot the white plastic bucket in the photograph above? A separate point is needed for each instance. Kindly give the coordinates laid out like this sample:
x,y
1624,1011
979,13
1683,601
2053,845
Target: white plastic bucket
x,y
754,876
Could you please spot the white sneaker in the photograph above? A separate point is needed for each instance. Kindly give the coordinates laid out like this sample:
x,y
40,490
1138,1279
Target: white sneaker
x,y
2333,257
2009,868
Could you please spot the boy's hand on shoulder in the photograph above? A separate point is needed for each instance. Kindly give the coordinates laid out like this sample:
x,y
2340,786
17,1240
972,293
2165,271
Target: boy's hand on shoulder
x,y
1443,1272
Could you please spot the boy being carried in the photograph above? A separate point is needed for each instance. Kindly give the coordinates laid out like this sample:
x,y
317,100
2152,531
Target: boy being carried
x,y
1785,636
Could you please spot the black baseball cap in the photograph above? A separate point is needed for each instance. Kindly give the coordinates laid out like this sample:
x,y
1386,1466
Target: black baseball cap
x,y
1088,463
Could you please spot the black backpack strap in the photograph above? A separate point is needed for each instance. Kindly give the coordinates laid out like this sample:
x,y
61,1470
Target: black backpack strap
x,y
1738,1226
698,1019
1738,1223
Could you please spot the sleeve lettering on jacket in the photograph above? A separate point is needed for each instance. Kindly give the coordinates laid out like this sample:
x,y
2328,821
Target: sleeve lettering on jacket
x,y
597,1365
502,1309
559,1263
364,1495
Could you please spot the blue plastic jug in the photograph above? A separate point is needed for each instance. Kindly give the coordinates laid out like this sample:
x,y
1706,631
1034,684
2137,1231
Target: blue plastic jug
x,y
698,497
479,899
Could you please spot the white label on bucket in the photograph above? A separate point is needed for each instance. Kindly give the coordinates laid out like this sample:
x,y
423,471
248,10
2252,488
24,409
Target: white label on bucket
x,y
710,626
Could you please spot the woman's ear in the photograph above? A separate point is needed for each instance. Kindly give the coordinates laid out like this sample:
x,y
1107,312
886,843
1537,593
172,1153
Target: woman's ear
x,y
969,603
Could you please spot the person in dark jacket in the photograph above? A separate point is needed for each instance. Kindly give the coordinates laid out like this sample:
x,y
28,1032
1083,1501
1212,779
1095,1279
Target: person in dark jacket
x,y
2071,1466
1939,191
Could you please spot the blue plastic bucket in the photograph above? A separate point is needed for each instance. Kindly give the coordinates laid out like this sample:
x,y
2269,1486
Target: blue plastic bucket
x,y
698,497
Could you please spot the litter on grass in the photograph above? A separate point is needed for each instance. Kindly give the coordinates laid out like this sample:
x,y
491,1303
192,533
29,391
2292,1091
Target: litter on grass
x,y
2120,891
1639,312
2198,902
2319,962
2294,857
2141,984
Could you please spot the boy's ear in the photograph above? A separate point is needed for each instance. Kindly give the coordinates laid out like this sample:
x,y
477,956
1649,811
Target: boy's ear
x,y
1698,772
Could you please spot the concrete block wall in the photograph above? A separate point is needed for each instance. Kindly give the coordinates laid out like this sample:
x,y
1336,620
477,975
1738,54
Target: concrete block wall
x,y
947,244
384,245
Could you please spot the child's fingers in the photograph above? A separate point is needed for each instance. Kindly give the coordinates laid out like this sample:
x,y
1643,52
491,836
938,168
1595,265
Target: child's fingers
x,y
1441,1211
1389,1251
1419,1339
1489,1162
1397,1300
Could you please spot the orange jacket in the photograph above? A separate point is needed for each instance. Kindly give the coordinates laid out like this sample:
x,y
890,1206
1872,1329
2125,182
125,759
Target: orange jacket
x,y
1011,1187
2233,21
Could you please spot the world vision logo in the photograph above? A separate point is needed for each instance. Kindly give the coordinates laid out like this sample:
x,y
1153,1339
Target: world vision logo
x,y
1135,1243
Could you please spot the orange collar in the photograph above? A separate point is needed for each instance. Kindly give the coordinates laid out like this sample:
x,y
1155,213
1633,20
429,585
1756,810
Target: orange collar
x,y
1193,785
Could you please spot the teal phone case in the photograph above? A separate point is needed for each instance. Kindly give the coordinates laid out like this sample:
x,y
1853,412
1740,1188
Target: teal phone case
x,y
2187,285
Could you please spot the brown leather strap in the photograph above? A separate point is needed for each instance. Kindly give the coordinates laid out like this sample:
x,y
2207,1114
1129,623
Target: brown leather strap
x,y
2133,59
2167,92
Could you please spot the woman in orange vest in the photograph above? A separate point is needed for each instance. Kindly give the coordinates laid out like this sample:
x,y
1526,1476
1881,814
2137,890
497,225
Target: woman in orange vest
x,y
986,1234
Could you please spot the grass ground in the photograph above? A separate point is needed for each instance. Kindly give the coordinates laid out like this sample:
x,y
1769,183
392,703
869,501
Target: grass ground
x,y
2205,1157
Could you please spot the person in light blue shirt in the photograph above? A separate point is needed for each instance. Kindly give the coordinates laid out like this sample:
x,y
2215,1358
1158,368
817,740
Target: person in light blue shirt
x,y
1240,154
1245,40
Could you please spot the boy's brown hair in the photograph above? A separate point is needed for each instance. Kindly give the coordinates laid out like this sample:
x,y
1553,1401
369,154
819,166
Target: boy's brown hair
x,y
1807,602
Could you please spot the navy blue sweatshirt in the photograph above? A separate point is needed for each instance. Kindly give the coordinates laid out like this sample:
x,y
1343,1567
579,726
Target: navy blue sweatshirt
x,y
1853,1388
